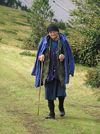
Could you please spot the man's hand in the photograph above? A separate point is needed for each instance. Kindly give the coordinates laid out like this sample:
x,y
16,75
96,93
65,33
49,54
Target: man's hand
x,y
41,58
61,57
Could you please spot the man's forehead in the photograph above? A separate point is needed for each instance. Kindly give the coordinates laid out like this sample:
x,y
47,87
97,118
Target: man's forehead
x,y
53,31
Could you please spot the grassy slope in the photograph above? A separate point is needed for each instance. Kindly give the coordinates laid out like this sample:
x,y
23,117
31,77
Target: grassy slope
x,y
19,98
13,26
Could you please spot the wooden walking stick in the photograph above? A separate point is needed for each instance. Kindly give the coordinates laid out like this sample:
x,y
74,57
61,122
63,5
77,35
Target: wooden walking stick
x,y
40,87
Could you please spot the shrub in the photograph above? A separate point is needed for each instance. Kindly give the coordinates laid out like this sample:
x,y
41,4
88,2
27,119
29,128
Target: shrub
x,y
2,22
76,43
28,44
28,53
93,74
19,39
86,20
0,38
60,24
66,32
98,99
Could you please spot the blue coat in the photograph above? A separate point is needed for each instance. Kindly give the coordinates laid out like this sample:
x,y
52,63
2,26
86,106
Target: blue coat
x,y
68,61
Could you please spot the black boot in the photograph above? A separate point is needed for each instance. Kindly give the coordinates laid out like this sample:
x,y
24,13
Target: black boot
x,y
61,107
51,108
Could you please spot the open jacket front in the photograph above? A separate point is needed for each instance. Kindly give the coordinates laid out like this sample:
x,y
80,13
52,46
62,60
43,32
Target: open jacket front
x,y
68,61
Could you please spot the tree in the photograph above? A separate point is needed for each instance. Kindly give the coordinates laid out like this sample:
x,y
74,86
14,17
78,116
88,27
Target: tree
x,y
2,2
40,11
24,8
10,2
87,22
19,3
51,14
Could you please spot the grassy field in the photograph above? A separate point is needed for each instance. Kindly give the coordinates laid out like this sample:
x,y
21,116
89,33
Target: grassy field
x,y
19,97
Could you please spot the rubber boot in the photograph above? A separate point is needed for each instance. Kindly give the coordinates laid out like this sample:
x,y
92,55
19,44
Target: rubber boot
x,y
51,108
61,106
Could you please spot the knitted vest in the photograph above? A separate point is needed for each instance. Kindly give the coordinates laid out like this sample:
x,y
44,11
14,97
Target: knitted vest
x,y
60,64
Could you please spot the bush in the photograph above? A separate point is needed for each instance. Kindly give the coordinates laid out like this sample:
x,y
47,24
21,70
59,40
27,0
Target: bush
x,y
2,22
85,49
28,44
28,53
60,24
93,77
66,32
76,43
86,21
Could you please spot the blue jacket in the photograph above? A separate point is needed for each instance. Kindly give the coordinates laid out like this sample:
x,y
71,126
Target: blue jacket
x,y
68,61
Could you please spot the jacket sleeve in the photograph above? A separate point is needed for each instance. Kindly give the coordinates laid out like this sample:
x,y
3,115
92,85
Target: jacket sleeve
x,y
70,59
36,65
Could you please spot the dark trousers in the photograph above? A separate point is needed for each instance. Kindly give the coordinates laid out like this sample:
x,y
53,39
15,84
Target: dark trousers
x,y
51,105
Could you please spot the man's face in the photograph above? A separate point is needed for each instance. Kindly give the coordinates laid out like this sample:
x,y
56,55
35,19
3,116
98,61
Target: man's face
x,y
53,34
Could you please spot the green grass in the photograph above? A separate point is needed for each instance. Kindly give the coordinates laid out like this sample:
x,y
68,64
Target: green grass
x,y
13,26
19,97
19,100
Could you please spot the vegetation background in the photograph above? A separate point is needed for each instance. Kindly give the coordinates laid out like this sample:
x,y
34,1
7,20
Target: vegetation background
x,y
19,97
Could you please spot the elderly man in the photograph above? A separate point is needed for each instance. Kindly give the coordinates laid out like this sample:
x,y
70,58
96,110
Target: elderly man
x,y
58,63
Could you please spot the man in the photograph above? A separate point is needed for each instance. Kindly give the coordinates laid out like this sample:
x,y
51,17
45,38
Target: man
x,y
58,63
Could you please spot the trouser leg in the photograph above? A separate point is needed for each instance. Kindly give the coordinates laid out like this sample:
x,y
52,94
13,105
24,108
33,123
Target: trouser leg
x,y
51,107
61,103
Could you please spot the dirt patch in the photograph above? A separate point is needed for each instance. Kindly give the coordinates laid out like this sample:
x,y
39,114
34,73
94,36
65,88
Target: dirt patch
x,y
72,105
29,122
91,106
95,112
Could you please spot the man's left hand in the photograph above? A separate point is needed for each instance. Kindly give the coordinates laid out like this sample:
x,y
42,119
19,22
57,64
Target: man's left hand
x,y
61,57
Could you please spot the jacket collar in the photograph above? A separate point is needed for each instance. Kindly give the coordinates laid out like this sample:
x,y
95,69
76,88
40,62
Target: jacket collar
x,y
63,35
45,39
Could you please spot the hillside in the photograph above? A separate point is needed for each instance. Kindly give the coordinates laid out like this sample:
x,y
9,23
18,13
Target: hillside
x,y
19,97
13,26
